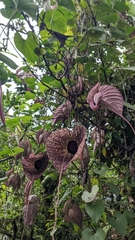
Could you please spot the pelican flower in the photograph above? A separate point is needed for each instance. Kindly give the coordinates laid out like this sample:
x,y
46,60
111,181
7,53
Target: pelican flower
x,y
109,97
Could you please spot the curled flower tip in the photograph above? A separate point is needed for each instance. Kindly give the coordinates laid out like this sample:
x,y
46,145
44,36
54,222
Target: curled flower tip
x,y
64,146
42,136
78,88
2,116
35,165
62,112
26,145
91,95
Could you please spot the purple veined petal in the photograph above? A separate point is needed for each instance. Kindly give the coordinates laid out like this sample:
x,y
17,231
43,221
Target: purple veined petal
x,y
62,112
2,116
112,99
90,97
92,92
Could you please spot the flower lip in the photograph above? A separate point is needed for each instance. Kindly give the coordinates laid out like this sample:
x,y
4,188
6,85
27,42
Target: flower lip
x,y
72,147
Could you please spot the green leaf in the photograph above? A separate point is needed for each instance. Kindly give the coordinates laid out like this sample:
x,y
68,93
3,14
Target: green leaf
x,y
47,79
5,152
26,119
111,18
68,4
89,197
68,191
131,7
95,209
128,105
13,121
120,223
27,6
113,188
36,106
8,61
27,47
88,235
17,150
29,95
120,7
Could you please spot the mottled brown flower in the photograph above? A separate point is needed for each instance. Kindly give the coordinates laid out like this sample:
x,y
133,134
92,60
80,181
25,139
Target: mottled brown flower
x,y
2,116
42,136
73,213
78,88
35,165
14,181
64,146
98,136
62,112
30,209
26,145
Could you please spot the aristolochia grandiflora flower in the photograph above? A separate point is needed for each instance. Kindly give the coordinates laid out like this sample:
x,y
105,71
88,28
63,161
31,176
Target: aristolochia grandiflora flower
x,y
109,97
35,165
64,146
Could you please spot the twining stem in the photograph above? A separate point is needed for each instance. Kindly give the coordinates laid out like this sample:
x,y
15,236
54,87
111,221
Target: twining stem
x,y
57,203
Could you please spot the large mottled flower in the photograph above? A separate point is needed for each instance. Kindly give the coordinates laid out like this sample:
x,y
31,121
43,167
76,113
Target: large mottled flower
x,y
64,146
62,112
35,165
109,97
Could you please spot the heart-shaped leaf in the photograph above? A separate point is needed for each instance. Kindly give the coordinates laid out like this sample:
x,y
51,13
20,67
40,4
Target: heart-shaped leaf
x,y
95,209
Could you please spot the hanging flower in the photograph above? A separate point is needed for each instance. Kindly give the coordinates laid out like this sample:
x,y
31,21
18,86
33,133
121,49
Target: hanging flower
x,y
98,136
73,213
26,145
84,163
62,112
109,97
35,165
78,88
2,116
30,209
64,146
14,181
42,136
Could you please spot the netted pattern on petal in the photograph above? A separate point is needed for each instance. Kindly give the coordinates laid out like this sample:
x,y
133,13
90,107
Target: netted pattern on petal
x,y
30,210
62,112
35,165
64,146
14,181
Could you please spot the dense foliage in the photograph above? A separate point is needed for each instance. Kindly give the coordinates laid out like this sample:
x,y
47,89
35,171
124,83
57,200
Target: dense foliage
x,y
52,53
